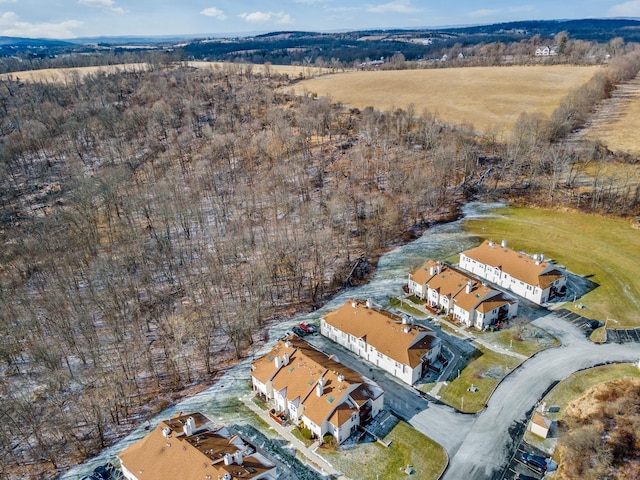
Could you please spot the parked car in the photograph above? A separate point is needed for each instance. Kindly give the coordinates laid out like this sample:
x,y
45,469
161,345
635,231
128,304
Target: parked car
x,y
298,331
534,461
306,327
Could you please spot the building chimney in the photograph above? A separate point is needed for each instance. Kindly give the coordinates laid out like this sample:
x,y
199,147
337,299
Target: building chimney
x,y
469,287
407,329
228,459
285,359
320,387
238,458
188,429
542,257
340,377
166,431
503,244
354,304
369,303
278,361
432,271
439,268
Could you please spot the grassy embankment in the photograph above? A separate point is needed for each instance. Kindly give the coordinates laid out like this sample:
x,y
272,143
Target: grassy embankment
x,y
575,386
373,460
606,250
489,98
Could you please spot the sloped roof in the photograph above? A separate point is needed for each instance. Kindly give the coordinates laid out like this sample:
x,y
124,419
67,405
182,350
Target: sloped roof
x,y
423,273
492,303
264,368
518,265
384,331
193,457
306,367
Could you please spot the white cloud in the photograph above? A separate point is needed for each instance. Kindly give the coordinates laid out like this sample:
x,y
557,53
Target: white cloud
x,y
626,9
483,12
106,4
12,26
263,17
8,1
213,12
397,6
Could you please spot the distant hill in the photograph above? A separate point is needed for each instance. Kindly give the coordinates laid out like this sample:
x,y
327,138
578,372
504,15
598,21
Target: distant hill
x,y
33,42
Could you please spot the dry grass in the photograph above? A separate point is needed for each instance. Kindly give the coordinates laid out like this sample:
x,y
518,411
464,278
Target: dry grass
x,y
489,98
620,132
59,75
65,74
294,71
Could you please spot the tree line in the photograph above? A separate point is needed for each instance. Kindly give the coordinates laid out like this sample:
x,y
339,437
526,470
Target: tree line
x,y
154,222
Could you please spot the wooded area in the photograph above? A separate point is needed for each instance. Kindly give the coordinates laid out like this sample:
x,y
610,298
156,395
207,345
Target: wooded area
x,y
153,222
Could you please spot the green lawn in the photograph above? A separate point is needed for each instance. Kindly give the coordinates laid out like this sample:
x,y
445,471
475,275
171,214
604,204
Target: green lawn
x,y
397,303
374,461
483,372
606,250
527,340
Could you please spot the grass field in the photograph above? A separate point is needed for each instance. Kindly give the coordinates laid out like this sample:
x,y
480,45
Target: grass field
x,y
607,250
489,98
373,461
485,373
64,74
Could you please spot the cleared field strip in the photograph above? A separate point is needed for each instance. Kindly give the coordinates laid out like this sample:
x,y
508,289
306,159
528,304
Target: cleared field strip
x,y
616,122
489,98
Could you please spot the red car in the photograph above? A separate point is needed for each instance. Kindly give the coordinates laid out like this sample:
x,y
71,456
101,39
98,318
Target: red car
x,y
306,327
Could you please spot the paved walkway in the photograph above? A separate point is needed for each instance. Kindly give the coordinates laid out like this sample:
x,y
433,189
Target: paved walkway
x,y
313,458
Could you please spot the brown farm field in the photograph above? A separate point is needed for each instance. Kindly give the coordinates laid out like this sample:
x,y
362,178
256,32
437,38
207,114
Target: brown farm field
x,y
489,98
64,74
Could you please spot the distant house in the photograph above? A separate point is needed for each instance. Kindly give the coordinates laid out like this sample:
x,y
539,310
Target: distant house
x,y
545,51
308,387
189,447
540,425
527,276
383,339
453,292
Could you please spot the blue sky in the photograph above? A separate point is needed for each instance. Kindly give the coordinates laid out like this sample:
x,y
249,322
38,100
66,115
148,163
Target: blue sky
x,y
83,18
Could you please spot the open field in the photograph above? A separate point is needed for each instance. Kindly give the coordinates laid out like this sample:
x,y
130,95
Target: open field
x,y
489,98
372,460
64,74
607,250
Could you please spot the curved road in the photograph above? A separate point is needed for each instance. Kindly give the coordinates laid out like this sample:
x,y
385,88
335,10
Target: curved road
x,y
480,446
488,446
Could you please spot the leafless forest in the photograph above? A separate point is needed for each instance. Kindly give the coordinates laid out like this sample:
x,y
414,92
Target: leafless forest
x,y
153,222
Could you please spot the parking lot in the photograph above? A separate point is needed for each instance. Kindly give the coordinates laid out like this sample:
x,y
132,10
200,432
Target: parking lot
x,y
520,470
587,325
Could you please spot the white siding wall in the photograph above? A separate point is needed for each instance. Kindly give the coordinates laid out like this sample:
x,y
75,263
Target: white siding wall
x,y
369,353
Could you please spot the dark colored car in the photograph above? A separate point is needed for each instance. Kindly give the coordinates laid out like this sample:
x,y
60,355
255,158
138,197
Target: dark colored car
x,y
298,331
534,461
